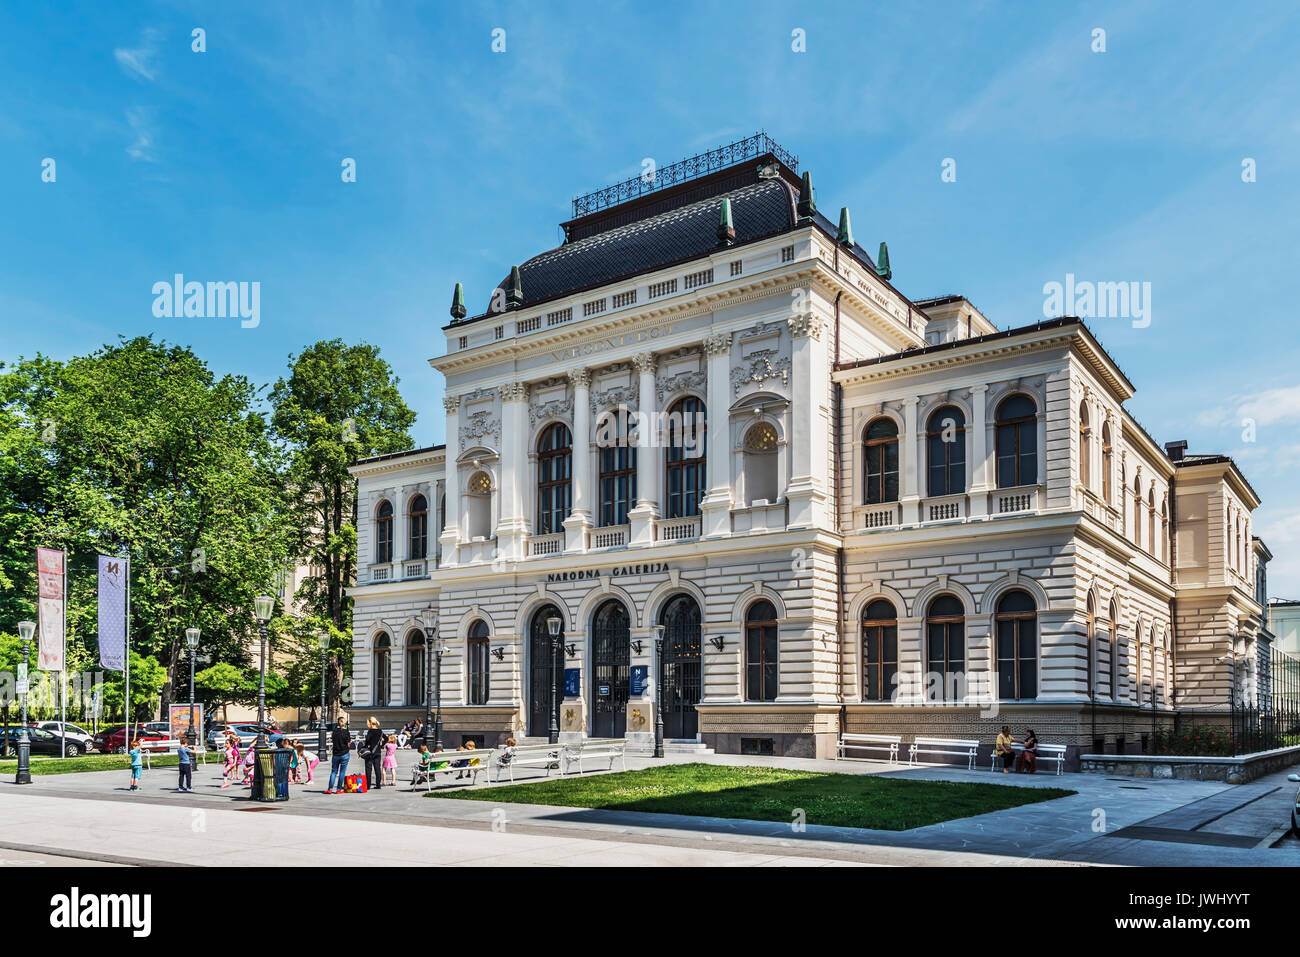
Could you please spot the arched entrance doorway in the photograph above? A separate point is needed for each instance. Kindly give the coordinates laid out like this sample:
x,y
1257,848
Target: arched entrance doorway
x,y
543,669
681,666
610,665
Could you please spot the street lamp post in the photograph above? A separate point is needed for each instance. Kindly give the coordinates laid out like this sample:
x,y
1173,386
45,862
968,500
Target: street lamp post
x,y
262,605
433,678
192,639
26,629
659,691
323,637
553,627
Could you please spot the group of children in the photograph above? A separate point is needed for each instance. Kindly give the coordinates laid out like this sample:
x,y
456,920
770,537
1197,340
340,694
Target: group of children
x,y
428,761
238,766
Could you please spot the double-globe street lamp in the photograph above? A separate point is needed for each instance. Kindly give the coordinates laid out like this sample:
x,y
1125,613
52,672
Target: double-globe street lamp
x,y
323,637
553,628
192,639
433,677
262,606
26,629
659,691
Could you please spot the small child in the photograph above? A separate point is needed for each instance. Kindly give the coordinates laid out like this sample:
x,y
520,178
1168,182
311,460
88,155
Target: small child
x,y
185,764
249,757
422,768
305,759
232,759
390,760
137,764
507,752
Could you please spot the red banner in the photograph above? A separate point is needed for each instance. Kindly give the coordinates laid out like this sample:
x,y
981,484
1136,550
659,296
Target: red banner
x,y
51,582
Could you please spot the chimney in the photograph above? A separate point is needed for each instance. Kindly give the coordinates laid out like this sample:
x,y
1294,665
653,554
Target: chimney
x,y
1175,450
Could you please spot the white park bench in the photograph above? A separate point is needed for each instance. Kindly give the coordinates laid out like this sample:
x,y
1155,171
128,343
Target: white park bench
x,y
868,742
580,751
1046,752
528,755
200,755
477,761
951,747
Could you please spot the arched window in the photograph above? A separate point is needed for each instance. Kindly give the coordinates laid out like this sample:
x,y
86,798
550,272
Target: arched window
x,y
617,474
685,457
415,669
554,478
1085,447
442,513
1017,441
945,628
1114,651
759,463
879,651
384,533
1017,629
418,543
761,652
1107,465
1091,625
882,461
478,510
477,655
383,662
946,452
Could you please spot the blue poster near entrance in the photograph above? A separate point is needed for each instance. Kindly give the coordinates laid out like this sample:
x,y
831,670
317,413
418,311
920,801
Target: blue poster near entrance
x,y
637,679
572,682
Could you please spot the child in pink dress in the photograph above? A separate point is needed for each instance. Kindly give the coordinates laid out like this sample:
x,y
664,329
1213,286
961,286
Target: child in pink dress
x,y
232,760
390,760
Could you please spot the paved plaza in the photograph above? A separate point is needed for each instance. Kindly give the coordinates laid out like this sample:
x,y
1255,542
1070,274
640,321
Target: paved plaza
x,y
91,817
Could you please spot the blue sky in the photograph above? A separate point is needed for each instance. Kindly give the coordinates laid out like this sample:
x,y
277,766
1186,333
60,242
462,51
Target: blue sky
x,y
225,165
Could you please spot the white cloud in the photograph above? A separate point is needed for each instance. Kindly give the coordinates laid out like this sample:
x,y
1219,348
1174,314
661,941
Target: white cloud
x,y
139,62
141,121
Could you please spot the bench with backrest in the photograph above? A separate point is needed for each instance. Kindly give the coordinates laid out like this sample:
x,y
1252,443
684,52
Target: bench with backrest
x,y
594,748
171,745
528,755
868,742
444,762
1046,752
950,747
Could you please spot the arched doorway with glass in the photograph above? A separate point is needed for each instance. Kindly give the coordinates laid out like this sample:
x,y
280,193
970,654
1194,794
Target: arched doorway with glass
x,y
611,659
544,664
680,668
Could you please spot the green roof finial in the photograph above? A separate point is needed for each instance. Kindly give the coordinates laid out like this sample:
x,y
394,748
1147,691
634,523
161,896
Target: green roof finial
x,y
846,230
807,201
458,310
515,290
726,230
882,262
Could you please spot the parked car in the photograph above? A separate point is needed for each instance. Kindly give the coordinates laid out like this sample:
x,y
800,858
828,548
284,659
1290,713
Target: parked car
x,y
246,731
42,742
100,738
1295,806
116,742
76,736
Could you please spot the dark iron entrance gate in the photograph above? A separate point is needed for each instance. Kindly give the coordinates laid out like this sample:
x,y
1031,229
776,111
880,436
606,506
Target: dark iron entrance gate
x,y
681,667
610,663
542,672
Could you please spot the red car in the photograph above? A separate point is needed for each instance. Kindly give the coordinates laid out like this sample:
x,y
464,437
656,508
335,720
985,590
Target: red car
x,y
113,741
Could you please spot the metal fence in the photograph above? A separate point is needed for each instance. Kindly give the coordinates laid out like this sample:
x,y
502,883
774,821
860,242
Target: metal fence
x,y
1266,719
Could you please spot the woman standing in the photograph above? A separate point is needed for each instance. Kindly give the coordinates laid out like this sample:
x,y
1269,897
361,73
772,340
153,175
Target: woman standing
x,y
340,748
372,751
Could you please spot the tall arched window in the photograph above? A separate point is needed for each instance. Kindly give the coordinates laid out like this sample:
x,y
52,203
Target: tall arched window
x,y
1113,638
478,510
1107,465
882,461
554,478
383,664
442,513
617,474
759,463
478,657
879,651
1091,625
415,669
1017,441
761,674
384,533
1017,629
945,628
685,458
946,452
1085,447
418,543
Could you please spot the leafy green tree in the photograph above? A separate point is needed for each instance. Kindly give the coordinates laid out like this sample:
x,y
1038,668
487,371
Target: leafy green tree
x,y
338,403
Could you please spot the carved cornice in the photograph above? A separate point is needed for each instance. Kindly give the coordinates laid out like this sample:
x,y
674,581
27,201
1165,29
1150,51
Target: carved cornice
x,y
626,396
807,324
719,343
667,385
514,392
555,409
451,403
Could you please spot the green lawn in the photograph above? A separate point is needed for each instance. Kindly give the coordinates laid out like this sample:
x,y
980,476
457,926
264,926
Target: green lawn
x,y
769,794
91,762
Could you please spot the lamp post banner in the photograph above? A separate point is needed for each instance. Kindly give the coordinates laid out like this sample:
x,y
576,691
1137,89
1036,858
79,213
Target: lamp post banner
x,y
112,612
50,580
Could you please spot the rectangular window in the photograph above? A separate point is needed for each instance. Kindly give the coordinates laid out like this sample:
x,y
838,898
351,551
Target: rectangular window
x,y
462,342
498,332
787,254
736,267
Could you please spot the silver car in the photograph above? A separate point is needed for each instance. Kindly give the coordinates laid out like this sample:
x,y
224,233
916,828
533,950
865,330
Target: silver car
x,y
78,741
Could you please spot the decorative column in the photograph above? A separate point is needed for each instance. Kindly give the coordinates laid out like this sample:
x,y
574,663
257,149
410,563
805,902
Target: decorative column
x,y
979,452
716,507
402,527
512,528
649,454
579,521
909,494
450,536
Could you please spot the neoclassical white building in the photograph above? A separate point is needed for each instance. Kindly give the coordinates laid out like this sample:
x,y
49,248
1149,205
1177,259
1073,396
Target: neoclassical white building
x,y
710,411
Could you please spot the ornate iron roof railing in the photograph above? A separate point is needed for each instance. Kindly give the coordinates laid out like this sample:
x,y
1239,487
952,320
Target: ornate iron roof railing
x,y
682,171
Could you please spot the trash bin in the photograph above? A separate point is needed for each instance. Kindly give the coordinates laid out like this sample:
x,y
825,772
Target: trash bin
x,y
271,774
